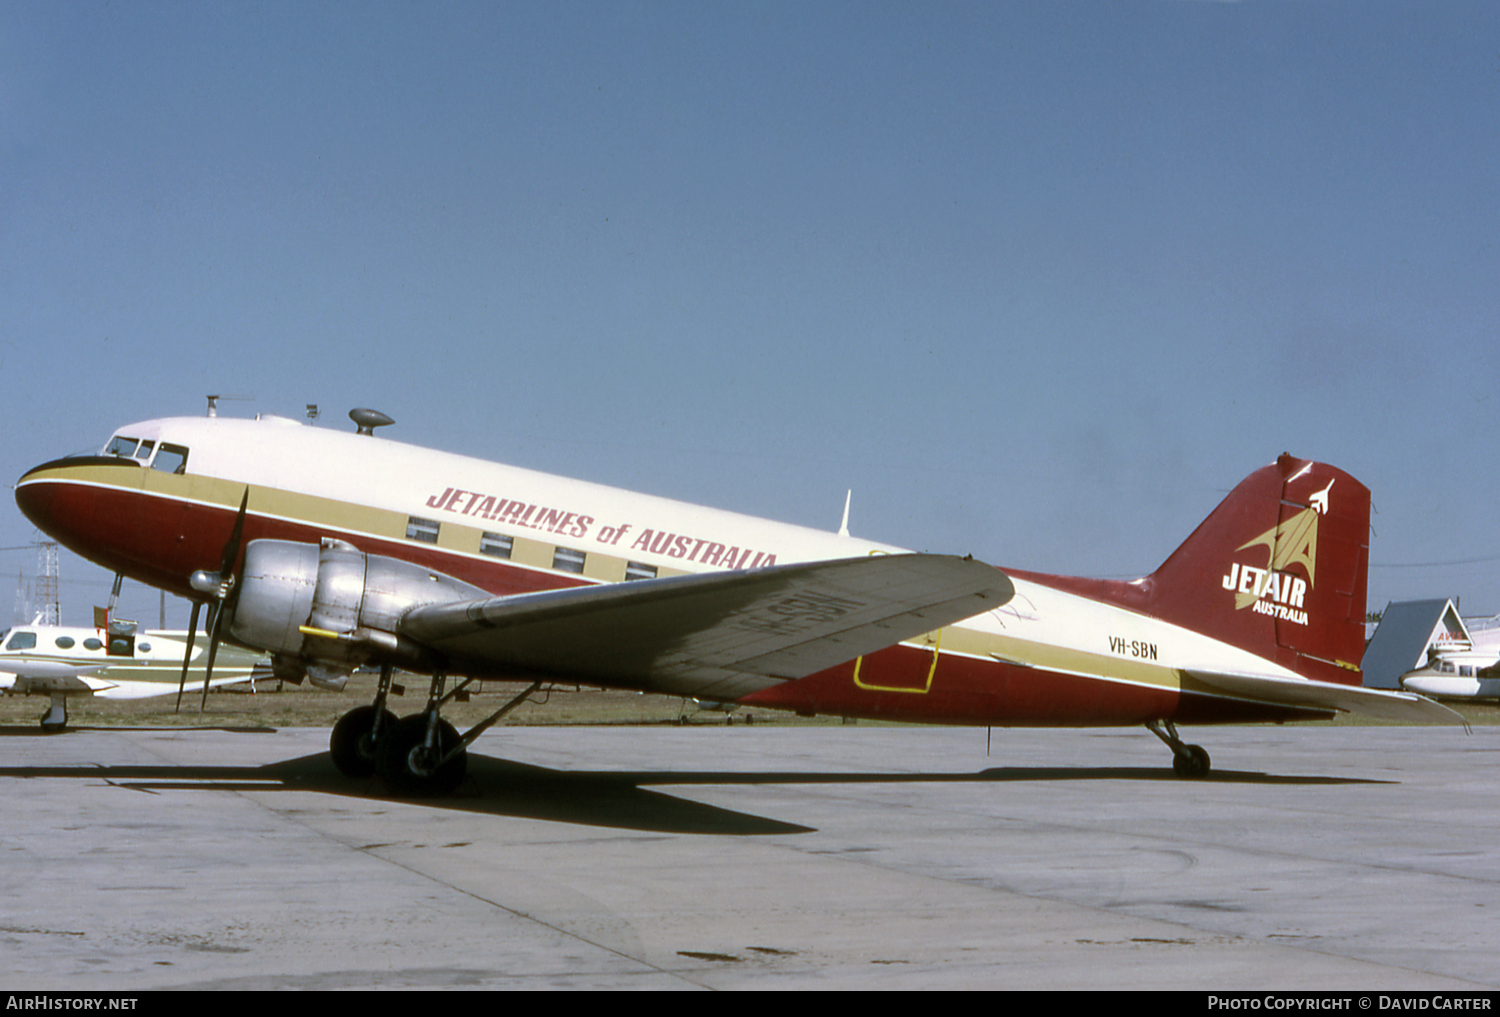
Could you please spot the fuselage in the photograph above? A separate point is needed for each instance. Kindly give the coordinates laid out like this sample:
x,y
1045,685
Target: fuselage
x,y
1465,674
159,501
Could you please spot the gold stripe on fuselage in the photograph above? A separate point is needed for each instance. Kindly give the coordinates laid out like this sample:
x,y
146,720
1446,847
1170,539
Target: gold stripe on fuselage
x,y
350,521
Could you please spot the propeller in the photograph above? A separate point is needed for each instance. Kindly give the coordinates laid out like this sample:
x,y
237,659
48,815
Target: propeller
x,y
188,656
220,587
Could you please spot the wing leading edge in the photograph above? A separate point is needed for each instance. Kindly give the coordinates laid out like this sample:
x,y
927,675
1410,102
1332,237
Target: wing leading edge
x,y
716,636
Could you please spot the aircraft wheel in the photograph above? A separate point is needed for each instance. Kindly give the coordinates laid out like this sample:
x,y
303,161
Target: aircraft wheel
x,y
350,745
56,717
409,768
1195,764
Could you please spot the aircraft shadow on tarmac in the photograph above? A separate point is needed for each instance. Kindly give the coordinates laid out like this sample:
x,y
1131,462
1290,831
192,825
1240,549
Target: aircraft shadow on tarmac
x,y
607,798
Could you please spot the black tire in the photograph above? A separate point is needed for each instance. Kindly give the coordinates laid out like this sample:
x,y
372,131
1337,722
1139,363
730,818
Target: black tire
x,y
353,752
402,759
1195,764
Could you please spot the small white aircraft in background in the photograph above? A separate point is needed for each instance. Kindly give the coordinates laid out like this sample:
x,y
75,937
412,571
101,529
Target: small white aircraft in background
x,y
62,661
1471,672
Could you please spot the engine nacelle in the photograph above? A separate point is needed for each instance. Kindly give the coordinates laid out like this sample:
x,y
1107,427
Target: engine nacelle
x,y
352,601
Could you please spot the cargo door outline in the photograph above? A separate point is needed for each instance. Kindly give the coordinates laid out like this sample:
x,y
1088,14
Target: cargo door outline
x,y
936,639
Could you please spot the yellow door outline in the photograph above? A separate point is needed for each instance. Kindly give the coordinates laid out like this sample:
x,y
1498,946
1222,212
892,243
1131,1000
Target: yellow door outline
x,y
937,646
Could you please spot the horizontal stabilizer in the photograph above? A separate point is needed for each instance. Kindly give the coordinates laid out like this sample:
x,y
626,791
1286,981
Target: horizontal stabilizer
x,y
1404,707
720,635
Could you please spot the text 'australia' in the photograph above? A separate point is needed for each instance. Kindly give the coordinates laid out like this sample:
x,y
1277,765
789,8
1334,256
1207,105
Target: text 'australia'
x,y
1278,594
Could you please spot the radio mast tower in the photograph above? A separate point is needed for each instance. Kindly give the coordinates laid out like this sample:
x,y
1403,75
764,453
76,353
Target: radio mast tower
x,y
48,602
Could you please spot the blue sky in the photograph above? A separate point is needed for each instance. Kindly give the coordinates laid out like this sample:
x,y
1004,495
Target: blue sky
x,y
1039,281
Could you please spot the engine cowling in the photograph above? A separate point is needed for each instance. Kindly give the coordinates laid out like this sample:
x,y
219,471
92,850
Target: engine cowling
x,y
351,601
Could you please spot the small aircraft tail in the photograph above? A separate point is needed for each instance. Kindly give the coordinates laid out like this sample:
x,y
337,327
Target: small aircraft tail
x,y
1278,569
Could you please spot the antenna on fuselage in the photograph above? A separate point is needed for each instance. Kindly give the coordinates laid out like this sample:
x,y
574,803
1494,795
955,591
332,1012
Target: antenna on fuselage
x,y
213,402
844,526
367,419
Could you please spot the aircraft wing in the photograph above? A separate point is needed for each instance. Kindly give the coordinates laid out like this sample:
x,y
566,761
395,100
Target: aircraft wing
x,y
29,684
715,636
1405,707
85,684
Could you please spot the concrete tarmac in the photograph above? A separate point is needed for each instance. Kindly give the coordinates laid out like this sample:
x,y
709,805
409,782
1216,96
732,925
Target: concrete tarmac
x,y
755,857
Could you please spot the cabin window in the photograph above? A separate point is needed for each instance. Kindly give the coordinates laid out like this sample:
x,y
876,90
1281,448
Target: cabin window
x,y
22,641
144,647
170,459
64,642
568,560
496,545
121,446
92,644
635,570
425,530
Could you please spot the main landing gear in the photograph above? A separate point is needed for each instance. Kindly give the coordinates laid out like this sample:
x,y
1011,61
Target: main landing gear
x,y
420,756
56,717
1187,760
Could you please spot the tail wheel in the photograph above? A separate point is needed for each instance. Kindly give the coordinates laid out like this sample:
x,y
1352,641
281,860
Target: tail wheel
x,y
411,768
1187,760
1194,764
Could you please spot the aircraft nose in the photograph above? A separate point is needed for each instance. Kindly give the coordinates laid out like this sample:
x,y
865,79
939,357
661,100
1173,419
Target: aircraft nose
x,y
50,496
35,501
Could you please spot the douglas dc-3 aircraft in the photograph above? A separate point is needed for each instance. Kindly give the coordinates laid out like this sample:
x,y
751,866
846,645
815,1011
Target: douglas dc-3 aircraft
x,y
331,550
62,661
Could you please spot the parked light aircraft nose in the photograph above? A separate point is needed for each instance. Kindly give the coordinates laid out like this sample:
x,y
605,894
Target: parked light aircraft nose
x,y
1458,676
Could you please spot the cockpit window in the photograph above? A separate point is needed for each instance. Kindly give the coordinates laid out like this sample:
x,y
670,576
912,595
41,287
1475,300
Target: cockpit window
x,y
22,641
170,459
144,452
121,446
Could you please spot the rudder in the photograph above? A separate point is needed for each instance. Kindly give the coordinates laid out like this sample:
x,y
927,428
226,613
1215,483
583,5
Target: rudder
x,y
1280,569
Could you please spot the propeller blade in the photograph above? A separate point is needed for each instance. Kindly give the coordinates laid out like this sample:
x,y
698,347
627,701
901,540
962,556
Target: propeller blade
x,y
226,587
232,548
213,652
188,655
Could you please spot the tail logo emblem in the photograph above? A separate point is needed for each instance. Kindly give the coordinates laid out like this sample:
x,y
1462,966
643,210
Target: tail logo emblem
x,y
1273,590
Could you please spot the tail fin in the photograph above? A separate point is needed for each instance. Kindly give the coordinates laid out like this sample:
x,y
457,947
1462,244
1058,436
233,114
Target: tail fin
x,y
1278,569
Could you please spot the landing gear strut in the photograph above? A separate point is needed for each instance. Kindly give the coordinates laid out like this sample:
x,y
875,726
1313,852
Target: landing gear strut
x,y
421,755
356,736
56,717
1187,760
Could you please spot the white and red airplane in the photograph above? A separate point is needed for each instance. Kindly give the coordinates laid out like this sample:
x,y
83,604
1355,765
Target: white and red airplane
x,y
331,550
